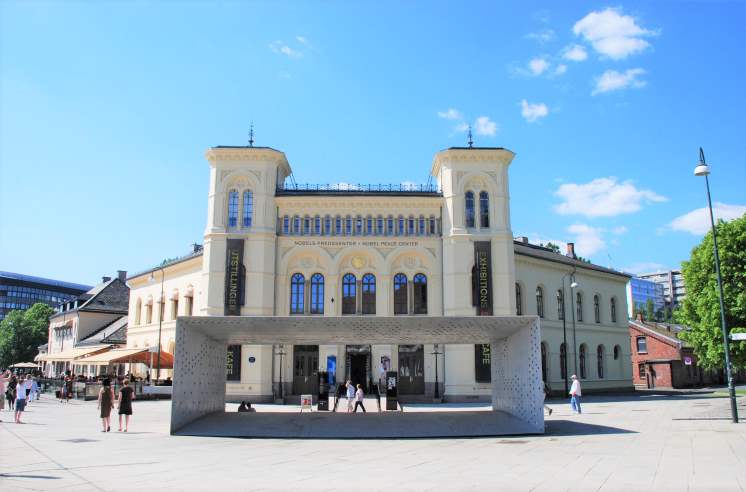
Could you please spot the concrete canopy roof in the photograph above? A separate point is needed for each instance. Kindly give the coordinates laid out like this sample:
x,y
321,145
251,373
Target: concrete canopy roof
x,y
312,330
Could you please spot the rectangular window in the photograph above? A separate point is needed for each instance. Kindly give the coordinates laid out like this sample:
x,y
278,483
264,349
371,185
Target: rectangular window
x,y
317,225
188,308
338,226
390,226
369,226
248,208
286,225
327,225
642,345
379,226
641,370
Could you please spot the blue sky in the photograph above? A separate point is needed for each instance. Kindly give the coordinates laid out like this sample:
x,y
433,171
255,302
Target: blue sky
x,y
106,109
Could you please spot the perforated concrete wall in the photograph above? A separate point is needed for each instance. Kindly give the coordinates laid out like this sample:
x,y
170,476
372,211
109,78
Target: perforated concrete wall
x,y
517,387
199,377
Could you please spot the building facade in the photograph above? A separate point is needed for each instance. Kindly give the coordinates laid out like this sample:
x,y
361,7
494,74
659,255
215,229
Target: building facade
x,y
672,281
20,292
639,290
312,251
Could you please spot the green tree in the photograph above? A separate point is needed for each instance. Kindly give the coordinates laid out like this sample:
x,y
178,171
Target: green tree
x,y
553,247
701,308
21,333
650,310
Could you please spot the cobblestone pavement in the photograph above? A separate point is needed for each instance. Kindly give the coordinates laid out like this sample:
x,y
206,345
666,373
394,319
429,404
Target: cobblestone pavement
x,y
635,442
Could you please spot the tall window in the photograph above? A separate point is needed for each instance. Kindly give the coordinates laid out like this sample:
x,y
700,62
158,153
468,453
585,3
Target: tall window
x,y
188,305
149,313
317,225
348,225
600,361
484,210
138,312
540,302
581,362
327,225
400,228
518,303
232,208
297,293
175,307
642,345
248,208
296,225
369,226
379,226
469,201
349,294
641,369
410,226
337,225
358,226
613,309
419,291
421,229
306,225
400,294
617,352
369,294
563,360
597,308
286,225
432,226
579,306
317,294
560,305
390,226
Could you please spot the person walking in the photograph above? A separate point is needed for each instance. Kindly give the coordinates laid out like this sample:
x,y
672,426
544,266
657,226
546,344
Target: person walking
x,y
4,380
34,389
350,395
359,396
575,394
20,399
105,402
68,388
27,387
10,393
124,402
338,396
547,391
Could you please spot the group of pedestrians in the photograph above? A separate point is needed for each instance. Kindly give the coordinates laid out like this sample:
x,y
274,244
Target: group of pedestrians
x,y
354,395
18,391
123,402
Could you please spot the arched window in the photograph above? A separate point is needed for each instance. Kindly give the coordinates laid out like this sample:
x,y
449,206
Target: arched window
x,y
337,225
600,361
317,225
248,208
306,225
560,305
327,225
138,311
390,225
369,226
579,306
348,225
544,367
419,291
379,225
469,202
421,229
410,226
433,230
563,361
617,352
612,305
297,293
400,294
317,294
358,226
400,228
540,302
286,225
232,208
484,210
188,304
581,362
349,294
518,302
296,226
597,308
369,294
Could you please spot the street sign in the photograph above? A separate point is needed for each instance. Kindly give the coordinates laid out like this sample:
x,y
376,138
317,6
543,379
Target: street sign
x,y
738,336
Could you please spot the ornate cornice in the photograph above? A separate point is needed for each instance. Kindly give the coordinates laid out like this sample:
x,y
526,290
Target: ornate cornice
x,y
476,155
247,154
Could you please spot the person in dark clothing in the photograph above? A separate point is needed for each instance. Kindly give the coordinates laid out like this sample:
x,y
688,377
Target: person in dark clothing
x,y
126,395
338,395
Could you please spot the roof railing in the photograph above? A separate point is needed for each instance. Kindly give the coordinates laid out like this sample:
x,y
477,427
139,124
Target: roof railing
x,y
357,188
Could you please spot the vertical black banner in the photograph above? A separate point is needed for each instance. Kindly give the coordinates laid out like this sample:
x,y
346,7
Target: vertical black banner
x,y
233,363
482,285
234,277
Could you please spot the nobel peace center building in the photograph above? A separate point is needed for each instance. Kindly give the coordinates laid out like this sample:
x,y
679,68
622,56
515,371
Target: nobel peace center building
x,y
275,249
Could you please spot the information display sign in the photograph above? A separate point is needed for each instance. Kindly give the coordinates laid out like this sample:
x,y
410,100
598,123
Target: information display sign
x,y
323,398
392,394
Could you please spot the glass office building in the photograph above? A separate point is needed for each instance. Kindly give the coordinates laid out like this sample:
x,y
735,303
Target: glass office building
x,y
18,291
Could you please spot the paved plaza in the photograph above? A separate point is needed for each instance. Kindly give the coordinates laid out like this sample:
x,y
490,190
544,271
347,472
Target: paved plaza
x,y
626,442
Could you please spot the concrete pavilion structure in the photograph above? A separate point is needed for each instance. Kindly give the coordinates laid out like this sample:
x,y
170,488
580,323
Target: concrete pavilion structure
x,y
317,253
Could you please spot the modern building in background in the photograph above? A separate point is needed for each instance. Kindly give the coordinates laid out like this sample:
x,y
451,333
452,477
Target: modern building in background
x,y
20,292
672,281
639,290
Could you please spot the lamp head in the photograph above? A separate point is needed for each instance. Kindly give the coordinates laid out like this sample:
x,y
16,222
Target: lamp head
x,y
702,168
574,284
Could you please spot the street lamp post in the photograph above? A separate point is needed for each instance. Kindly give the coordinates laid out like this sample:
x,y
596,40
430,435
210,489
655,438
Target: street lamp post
x,y
703,169
573,284
437,385
281,352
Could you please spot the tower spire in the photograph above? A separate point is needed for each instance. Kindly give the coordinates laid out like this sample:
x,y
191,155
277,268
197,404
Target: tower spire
x,y
470,142
251,135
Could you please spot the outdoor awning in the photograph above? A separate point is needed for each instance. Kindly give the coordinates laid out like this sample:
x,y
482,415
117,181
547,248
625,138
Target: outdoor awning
x,y
75,353
120,356
25,365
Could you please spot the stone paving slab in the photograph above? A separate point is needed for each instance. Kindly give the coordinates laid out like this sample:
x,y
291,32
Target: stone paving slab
x,y
610,447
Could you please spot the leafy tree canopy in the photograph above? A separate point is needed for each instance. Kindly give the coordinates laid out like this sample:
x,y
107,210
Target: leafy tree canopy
x,y
701,308
21,333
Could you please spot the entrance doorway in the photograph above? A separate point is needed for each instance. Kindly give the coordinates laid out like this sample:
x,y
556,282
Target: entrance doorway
x,y
305,369
359,365
411,370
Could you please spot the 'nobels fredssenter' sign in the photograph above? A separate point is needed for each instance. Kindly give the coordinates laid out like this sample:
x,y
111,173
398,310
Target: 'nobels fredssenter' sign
x,y
483,298
234,278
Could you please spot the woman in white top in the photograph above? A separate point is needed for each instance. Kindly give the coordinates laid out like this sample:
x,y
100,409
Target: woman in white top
x,y
359,396
575,394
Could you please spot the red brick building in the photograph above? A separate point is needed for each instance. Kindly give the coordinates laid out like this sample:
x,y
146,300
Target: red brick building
x,y
661,360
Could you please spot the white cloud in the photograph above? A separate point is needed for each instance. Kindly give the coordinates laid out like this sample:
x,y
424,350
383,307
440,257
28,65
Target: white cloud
x,y
560,69
282,48
532,112
697,221
484,126
574,52
620,230
538,66
644,267
451,114
613,34
461,127
611,80
588,240
603,197
302,41
543,36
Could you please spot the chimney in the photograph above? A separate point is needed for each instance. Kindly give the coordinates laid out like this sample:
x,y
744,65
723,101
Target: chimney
x,y
105,279
571,250
522,239
122,275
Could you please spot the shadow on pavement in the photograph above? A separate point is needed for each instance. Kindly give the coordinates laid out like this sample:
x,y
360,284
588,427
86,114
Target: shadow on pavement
x,y
17,475
574,428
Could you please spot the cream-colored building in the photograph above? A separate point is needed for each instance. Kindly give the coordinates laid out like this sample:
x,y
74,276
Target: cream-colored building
x,y
447,250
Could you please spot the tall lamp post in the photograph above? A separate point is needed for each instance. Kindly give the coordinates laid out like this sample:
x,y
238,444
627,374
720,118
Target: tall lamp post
x,y
161,312
281,352
437,385
573,284
703,169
